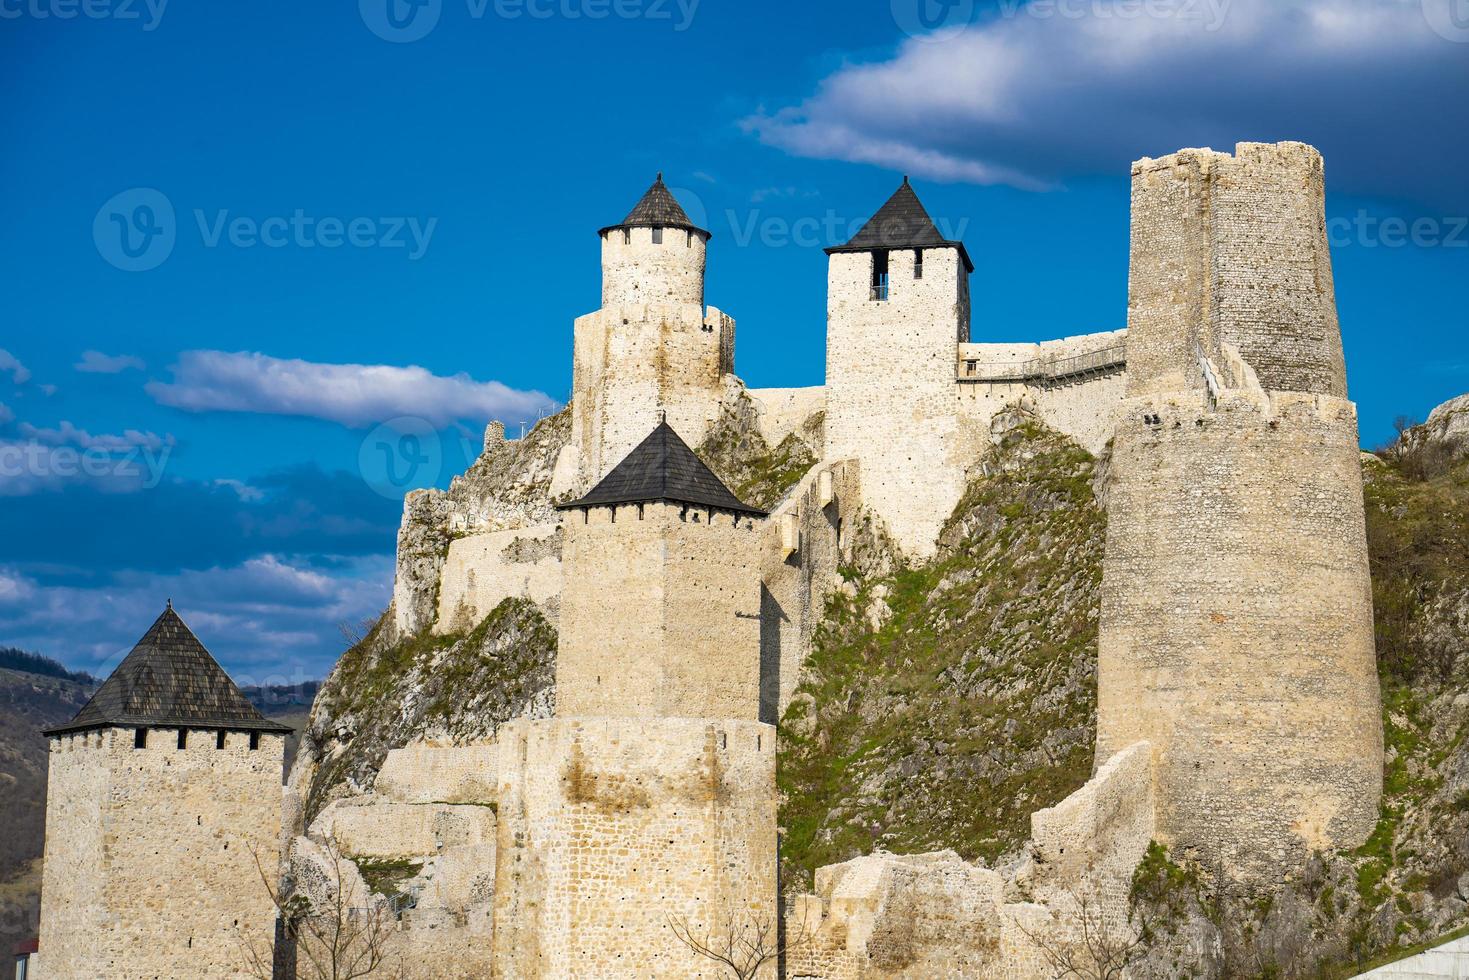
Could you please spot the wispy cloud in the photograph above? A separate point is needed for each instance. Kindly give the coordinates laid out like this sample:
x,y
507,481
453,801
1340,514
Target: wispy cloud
x,y
9,364
6,415
67,434
96,362
355,395
1043,92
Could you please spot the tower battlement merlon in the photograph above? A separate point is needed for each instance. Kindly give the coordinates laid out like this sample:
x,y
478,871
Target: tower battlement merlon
x,y
1231,250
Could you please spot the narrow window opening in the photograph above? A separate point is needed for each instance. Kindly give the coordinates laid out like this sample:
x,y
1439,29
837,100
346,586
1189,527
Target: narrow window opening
x,y
219,740
657,236
627,236
183,738
640,511
140,738
918,264
254,741
690,242
880,276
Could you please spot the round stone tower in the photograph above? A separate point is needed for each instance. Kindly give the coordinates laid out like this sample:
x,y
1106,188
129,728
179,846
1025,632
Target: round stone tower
x,y
1236,625
652,348
654,255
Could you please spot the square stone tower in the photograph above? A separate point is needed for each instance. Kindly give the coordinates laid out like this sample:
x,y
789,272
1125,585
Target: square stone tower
x,y
660,615
652,350
897,311
161,791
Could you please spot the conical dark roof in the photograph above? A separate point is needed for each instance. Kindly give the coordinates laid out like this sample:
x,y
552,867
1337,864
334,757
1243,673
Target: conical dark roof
x,y
658,209
901,223
170,680
663,467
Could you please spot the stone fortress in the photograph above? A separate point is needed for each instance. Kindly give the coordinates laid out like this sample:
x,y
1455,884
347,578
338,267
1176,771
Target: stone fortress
x,y
1238,706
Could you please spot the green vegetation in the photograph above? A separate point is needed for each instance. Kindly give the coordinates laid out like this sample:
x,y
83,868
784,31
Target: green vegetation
x,y
740,456
387,877
943,704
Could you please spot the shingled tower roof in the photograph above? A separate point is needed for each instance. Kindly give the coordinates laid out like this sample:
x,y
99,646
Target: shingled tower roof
x,y
658,209
663,467
901,223
169,680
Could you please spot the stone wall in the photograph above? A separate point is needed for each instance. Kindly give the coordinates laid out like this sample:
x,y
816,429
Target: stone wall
x,y
1236,625
150,867
891,391
661,617
635,364
483,570
609,827
800,551
372,827
782,411
636,271
424,773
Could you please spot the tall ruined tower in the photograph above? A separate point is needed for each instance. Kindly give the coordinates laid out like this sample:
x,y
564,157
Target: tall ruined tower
x,y
1236,628
650,798
652,347
161,791
897,311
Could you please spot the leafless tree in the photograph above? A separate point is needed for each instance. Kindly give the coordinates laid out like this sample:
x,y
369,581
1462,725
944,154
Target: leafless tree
x,y
342,937
1094,948
354,633
740,941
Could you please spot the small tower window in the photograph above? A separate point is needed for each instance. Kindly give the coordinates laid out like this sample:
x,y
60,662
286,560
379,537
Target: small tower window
x,y
657,236
219,739
183,738
140,738
880,276
918,263
254,741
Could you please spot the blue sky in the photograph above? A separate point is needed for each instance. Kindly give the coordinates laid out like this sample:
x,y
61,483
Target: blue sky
x,y
336,218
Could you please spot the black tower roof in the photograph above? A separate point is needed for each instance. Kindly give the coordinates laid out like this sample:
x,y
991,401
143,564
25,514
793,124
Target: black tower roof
x,y
663,467
658,209
901,223
170,680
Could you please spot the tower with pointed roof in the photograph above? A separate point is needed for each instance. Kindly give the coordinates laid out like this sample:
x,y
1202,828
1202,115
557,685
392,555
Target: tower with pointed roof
x,y
652,347
161,792
897,311
661,612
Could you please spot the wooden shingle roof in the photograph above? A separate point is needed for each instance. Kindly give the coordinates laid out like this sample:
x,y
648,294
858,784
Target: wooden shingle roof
x,y
663,468
658,209
169,680
901,223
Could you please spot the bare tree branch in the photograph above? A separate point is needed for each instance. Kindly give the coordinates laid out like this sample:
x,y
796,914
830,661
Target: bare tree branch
x,y
740,941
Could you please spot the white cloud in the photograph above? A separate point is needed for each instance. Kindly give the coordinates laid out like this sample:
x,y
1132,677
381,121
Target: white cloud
x,y
1054,89
271,619
11,365
6,415
67,434
96,362
355,395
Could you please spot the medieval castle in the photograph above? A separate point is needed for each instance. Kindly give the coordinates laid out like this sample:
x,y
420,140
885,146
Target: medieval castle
x,y
1239,717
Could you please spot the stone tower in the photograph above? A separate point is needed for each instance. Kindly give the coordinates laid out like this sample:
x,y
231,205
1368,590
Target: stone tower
x,y
1236,628
652,348
897,311
161,790
661,614
650,797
